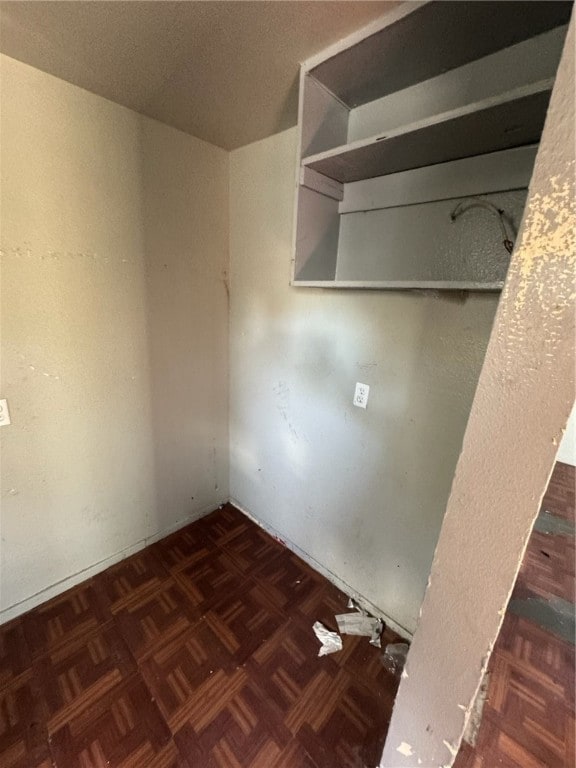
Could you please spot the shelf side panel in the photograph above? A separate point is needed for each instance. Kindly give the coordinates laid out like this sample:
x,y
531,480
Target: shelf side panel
x,y
324,119
317,231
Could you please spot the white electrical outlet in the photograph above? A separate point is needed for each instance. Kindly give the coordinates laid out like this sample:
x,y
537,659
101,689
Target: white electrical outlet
x,y
361,395
4,413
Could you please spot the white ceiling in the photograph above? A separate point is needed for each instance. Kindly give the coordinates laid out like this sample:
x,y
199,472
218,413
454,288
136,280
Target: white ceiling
x,y
223,71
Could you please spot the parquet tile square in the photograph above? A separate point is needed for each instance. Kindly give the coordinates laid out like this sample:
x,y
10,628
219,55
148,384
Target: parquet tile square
x,y
294,756
128,580
349,720
23,733
79,673
206,580
225,523
123,728
251,548
548,659
244,621
178,671
322,602
155,618
497,750
169,757
548,566
18,757
197,652
287,665
15,657
238,731
65,618
291,583
184,547
529,713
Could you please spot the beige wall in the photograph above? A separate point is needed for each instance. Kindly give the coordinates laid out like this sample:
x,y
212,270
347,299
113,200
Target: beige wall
x,y
186,255
114,323
361,493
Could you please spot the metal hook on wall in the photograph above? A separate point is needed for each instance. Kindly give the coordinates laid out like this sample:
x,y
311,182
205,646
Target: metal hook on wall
x,y
476,202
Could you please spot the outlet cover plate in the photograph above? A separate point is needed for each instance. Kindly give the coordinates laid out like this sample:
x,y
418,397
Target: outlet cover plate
x,y
361,395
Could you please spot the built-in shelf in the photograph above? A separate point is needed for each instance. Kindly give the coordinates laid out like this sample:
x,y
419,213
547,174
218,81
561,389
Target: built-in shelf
x,y
437,103
500,122
423,40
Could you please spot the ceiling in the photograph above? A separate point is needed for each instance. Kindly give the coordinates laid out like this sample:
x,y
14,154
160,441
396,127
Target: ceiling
x,y
223,71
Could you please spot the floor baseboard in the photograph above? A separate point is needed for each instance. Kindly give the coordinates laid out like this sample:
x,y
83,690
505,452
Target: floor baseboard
x,y
374,610
15,610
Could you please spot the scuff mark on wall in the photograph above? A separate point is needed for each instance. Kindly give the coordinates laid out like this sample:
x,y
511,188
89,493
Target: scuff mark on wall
x,y
226,282
282,391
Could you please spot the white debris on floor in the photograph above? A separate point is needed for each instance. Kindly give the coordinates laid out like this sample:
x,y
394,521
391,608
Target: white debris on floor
x,y
360,624
331,641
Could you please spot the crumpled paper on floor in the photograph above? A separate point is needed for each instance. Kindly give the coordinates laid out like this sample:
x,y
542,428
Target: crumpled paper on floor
x,y
360,624
331,641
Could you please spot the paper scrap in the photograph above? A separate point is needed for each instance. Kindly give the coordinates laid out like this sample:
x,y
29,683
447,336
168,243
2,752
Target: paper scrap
x,y
331,641
360,624
356,606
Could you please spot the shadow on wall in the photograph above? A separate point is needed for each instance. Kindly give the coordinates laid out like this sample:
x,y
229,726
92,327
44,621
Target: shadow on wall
x,y
362,492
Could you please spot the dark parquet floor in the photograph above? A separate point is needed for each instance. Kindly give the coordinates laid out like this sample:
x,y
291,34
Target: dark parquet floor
x,y
528,719
197,652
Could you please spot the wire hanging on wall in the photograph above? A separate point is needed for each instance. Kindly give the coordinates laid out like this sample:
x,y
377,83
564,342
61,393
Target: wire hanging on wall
x,y
476,202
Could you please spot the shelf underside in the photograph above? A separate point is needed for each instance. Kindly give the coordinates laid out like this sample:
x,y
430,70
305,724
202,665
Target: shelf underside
x,y
400,285
435,38
511,120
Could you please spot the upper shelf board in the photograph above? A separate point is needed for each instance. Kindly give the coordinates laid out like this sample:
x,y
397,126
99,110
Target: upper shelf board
x,y
509,120
434,38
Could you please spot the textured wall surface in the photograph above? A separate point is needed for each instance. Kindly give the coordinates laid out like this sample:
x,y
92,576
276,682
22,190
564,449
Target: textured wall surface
x,y
361,492
522,404
113,332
